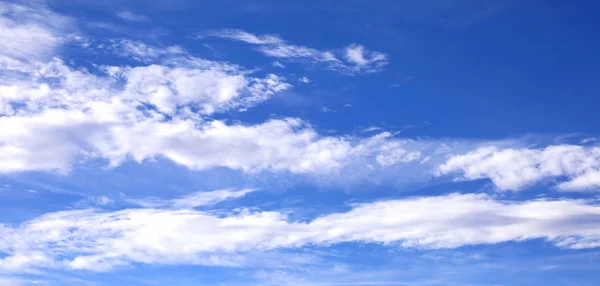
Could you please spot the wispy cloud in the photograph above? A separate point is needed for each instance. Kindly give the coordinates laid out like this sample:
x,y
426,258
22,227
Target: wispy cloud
x,y
278,64
132,17
30,34
193,200
371,129
353,59
169,88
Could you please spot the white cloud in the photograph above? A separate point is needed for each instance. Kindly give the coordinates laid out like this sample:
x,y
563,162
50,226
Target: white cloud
x,y
278,64
115,125
514,169
371,129
132,17
95,240
364,59
354,59
193,200
203,85
304,79
56,115
392,153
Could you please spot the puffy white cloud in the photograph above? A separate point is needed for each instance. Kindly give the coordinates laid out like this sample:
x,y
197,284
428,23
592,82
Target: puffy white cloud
x,y
42,135
514,169
54,115
199,85
354,59
39,133
97,240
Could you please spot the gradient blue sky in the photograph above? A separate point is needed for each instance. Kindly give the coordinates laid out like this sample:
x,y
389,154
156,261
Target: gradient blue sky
x,y
299,142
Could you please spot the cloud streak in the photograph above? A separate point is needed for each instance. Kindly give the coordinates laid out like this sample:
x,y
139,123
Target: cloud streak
x,y
97,240
132,17
353,59
193,200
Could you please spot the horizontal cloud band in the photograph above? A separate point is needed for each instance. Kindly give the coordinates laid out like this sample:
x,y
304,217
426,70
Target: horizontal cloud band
x,y
96,240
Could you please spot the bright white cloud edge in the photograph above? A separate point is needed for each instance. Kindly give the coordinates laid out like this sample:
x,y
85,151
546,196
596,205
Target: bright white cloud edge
x,y
193,200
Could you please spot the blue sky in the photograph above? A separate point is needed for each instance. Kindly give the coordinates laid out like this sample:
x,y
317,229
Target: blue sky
x,y
299,143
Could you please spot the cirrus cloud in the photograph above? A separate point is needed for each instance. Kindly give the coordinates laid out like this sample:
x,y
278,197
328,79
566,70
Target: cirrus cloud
x,y
353,59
